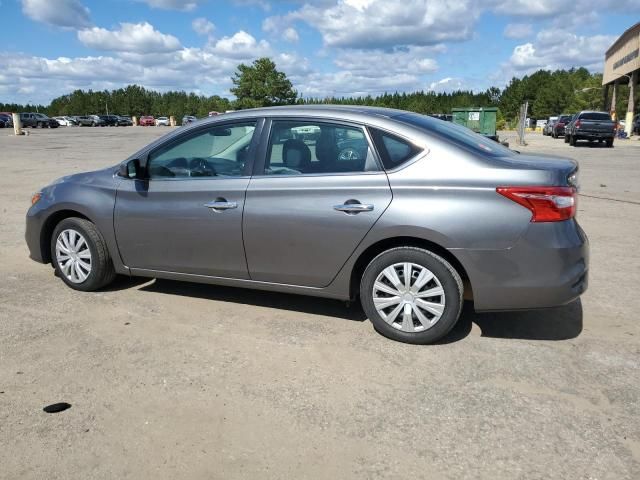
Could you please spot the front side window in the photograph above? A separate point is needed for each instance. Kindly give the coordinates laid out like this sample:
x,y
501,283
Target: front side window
x,y
218,151
310,147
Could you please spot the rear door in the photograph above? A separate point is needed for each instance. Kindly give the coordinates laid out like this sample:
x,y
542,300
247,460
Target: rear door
x,y
317,192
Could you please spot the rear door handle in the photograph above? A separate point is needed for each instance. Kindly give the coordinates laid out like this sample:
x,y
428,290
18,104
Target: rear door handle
x,y
221,205
354,207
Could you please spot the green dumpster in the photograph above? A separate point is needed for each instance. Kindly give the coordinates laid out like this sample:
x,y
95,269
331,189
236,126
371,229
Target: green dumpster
x,y
479,119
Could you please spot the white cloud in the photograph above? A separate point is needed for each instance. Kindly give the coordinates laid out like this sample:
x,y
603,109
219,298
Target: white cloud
x,y
384,23
549,53
131,37
290,35
452,84
184,5
263,4
518,30
241,45
202,26
374,63
61,13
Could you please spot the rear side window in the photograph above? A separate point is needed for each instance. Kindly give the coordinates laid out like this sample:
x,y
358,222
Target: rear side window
x,y
595,116
394,151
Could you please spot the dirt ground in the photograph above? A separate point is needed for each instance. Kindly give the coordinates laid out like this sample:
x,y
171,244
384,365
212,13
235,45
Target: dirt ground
x,y
173,380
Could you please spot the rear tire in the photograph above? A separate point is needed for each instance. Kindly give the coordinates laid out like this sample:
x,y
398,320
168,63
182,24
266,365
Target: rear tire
x,y
566,138
609,142
428,303
80,255
572,140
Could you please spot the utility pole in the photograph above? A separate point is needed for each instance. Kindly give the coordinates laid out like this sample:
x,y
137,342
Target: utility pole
x,y
106,104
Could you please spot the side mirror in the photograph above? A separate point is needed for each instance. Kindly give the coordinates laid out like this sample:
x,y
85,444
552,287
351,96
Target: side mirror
x,y
130,169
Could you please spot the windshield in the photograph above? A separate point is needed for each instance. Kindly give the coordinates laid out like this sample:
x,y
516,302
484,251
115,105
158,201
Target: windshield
x,y
457,134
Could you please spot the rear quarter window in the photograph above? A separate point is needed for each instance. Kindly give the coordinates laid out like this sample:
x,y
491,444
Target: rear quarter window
x,y
393,150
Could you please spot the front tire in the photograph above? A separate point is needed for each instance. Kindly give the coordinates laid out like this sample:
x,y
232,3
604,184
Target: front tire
x,y
80,255
411,295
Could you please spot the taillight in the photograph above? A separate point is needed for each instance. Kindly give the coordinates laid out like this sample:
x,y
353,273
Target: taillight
x,y
547,204
577,124
560,124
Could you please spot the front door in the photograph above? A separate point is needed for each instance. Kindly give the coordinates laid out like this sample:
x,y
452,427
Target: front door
x,y
318,194
187,216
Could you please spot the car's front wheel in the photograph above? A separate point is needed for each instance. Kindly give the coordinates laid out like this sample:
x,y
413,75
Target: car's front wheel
x,y
411,295
80,255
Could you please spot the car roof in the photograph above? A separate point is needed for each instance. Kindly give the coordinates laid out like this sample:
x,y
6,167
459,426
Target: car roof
x,y
319,109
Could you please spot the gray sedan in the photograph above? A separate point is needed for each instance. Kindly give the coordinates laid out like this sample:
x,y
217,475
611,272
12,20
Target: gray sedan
x,y
405,212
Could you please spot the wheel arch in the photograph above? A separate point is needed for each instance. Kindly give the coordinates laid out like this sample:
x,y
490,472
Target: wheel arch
x,y
49,226
405,241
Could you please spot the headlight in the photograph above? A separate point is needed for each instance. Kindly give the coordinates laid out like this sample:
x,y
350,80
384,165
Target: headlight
x,y
35,198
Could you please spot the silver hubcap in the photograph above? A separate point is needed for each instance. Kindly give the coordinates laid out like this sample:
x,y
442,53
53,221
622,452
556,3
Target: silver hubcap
x,y
73,255
409,297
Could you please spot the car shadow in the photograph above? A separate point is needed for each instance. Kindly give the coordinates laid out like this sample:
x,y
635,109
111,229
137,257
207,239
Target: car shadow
x,y
559,323
258,298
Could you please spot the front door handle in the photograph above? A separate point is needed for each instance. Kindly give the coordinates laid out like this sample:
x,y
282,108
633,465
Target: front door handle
x,y
354,207
221,205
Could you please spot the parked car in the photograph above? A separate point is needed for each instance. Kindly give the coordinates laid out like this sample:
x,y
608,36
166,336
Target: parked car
x,y
162,121
636,125
424,213
6,120
548,127
124,121
37,120
558,128
147,121
91,121
110,120
588,125
64,121
187,119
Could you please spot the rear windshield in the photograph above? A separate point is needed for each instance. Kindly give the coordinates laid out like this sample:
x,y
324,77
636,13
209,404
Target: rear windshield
x,y
456,134
564,118
595,116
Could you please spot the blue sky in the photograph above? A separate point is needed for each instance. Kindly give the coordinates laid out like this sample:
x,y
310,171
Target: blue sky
x,y
326,47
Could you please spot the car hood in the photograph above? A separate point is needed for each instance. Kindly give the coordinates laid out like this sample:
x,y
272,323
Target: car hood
x,y
103,178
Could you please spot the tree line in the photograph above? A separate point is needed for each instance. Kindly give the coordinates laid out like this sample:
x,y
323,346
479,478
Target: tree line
x,y
261,84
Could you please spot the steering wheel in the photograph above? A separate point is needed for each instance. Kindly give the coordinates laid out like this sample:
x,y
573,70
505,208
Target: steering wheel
x,y
199,167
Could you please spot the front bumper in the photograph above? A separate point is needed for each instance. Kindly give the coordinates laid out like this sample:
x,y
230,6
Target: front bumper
x,y
33,233
547,267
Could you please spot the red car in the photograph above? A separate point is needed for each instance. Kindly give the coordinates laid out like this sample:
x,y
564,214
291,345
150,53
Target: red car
x,y
147,121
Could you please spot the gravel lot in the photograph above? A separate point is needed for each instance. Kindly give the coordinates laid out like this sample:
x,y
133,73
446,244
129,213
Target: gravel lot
x,y
174,380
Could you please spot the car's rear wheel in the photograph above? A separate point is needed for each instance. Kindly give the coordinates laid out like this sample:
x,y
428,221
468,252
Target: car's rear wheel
x,y
80,255
572,140
609,142
411,295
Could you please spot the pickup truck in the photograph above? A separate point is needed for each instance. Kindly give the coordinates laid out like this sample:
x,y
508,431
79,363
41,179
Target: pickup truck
x,y
591,126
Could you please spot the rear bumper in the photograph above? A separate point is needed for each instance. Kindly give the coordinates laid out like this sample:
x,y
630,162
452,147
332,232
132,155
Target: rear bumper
x,y
597,135
547,267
